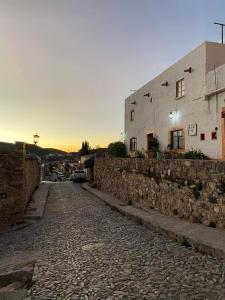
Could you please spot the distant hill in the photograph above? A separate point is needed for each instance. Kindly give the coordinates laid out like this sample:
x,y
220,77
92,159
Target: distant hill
x,y
42,152
31,149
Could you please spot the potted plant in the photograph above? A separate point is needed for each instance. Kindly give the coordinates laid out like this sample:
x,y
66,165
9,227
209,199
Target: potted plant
x,y
153,147
168,152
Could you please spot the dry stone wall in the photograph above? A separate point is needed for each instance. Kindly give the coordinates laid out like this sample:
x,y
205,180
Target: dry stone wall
x,y
19,177
191,189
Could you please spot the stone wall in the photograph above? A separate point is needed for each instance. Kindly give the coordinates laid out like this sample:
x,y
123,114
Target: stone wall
x,y
19,177
32,176
191,189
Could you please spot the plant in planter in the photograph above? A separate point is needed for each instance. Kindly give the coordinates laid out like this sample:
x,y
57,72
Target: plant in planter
x,y
168,152
139,154
154,146
192,154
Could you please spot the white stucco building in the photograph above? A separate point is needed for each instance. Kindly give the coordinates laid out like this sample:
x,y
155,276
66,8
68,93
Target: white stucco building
x,y
184,106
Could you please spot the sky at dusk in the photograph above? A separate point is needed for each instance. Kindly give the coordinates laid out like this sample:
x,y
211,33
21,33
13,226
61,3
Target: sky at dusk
x,y
66,66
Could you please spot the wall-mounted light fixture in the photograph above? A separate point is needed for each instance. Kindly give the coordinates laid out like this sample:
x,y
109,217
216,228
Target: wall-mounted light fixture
x,y
147,95
165,83
188,70
134,102
172,114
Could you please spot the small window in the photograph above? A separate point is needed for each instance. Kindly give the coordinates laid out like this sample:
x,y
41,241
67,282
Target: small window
x,y
213,135
180,88
202,136
132,114
133,144
177,139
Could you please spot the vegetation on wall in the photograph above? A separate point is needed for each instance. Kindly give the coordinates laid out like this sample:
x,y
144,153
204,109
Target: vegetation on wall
x,y
117,149
222,187
197,188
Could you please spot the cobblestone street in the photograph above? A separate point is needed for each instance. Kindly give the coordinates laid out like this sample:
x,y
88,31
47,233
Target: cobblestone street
x,y
88,251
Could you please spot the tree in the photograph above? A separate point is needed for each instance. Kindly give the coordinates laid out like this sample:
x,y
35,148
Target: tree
x,y
89,163
117,149
85,148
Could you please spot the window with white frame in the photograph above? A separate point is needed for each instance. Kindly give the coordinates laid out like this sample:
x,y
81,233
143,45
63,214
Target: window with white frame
x,y
180,88
133,144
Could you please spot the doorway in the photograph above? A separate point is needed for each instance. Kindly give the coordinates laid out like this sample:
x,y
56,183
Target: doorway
x,y
149,148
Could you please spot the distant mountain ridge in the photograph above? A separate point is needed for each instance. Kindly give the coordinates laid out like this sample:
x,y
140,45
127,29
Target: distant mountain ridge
x,y
31,149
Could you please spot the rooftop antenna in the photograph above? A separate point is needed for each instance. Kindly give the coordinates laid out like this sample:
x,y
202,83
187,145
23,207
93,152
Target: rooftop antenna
x,y
222,25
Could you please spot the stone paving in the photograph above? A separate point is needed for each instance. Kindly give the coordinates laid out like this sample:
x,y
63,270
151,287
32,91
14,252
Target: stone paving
x,y
88,251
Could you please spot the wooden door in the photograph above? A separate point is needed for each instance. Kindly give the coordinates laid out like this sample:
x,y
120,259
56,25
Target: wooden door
x,y
149,148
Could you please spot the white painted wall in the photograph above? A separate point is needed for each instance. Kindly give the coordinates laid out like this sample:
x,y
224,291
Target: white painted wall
x,y
192,108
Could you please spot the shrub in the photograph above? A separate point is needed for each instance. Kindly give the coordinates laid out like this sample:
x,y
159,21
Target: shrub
x,y
154,145
139,154
89,163
117,149
192,154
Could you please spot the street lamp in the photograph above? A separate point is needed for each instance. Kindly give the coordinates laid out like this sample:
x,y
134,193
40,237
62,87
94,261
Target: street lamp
x,y
36,137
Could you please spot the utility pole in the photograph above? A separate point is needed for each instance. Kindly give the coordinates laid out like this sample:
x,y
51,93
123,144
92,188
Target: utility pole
x,y
222,25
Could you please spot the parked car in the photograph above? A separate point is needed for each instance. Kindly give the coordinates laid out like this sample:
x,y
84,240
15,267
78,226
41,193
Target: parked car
x,y
79,176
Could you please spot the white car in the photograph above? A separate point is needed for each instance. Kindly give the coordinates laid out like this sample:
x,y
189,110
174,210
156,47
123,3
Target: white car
x,y
79,175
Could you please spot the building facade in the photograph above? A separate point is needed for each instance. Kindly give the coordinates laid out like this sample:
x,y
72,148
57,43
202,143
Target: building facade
x,y
184,106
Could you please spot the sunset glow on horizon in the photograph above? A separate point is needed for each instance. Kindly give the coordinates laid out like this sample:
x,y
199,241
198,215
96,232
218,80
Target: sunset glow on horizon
x,y
67,66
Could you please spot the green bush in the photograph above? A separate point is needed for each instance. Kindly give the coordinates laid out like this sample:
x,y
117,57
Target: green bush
x,y
117,149
192,154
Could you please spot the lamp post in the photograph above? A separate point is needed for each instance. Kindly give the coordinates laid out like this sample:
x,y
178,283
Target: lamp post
x,y
36,137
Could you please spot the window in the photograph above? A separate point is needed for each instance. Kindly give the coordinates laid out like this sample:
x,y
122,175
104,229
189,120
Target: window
x,y
177,139
213,135
202,136
180,88
133,144
132,113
